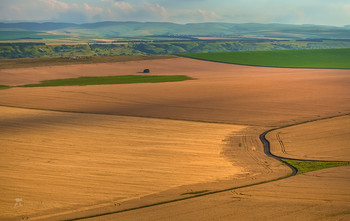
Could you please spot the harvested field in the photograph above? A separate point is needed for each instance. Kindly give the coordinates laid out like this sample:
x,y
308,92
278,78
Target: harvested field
x,y
99,158
221,92
108,162
318,195
321,140
103,161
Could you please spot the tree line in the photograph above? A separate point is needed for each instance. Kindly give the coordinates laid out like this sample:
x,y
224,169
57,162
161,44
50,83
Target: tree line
x,y
31,50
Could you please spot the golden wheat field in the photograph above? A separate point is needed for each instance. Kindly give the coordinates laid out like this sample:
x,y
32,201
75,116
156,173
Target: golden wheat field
x,y
136,151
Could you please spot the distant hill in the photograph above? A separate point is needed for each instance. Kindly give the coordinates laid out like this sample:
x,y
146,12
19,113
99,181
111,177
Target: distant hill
x,y
33,26
50,30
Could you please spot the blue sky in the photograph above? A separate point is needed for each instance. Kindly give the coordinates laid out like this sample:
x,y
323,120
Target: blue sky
x,y
322,12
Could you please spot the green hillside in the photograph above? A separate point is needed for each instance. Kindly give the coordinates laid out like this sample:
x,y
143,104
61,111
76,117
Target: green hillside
x,y
327,58
27,35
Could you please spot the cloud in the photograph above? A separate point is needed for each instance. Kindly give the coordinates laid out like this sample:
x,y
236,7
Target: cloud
x,y
158,9
207,15
125,6
54,4
126,11
329,12
91,9
31,9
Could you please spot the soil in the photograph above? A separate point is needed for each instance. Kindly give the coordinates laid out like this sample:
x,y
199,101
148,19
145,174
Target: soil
x,y
221,92
319,195
115,154
320,140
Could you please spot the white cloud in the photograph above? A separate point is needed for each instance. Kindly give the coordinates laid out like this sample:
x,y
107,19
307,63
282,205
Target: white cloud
x,y
145,11
75,6
32,10
91,9
125,6
331,12
207,15
54,4
158,10
16,8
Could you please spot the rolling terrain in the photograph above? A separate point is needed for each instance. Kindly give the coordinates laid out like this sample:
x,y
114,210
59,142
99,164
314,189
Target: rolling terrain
x,y
33,40
174,150
102,159
221,92
318,195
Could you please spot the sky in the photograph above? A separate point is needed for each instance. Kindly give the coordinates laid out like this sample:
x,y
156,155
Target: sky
x,y
320,12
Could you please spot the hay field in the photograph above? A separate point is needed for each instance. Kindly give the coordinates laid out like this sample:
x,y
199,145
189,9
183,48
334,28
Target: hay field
x,y
321,140
64,161
221,92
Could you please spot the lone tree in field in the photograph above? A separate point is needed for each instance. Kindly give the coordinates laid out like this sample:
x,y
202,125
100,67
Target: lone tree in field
x,y
146,71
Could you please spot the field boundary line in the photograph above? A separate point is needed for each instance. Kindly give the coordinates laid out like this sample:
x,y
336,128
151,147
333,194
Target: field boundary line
x,y
135,116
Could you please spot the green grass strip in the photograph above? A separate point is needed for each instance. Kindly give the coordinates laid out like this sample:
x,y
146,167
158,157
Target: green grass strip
x,y
4,87
320,58
308,166
122,79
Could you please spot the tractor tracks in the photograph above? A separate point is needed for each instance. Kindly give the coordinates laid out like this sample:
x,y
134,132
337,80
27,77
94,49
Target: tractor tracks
x,y
283,149
247,144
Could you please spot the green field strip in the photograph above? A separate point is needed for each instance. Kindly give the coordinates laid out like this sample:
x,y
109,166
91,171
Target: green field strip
x,y
323,58
304,166
122,79
4,87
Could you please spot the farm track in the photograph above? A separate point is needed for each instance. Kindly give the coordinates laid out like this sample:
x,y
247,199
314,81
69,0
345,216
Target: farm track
x,y
251,154
266,147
